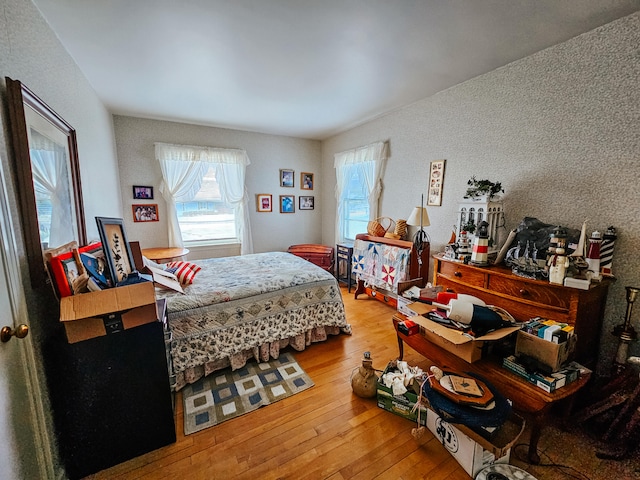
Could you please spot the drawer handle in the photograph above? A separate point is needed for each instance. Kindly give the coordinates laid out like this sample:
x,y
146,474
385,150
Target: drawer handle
x,y
457,274
524,292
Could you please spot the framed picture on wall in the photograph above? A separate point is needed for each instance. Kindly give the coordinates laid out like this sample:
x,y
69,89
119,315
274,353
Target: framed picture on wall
x,y
286,178
305,203
145,212
142,193
287,203
306,181
263,202
436,182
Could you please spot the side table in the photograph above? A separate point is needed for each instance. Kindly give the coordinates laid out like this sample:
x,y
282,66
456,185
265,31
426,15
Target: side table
x,y
344,252
165,254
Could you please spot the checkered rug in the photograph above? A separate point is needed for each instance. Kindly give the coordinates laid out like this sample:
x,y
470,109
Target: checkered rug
x,y
228,394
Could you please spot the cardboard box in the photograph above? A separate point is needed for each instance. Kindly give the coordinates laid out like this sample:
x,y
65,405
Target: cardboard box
x,y
464,346
470,449
109,311
401,405
410,308
549,355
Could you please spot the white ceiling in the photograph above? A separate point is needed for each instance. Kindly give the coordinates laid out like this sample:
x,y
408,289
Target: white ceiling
x,y
304,68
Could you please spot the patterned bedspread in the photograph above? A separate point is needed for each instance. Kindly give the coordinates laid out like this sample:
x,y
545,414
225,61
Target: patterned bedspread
x,y
250,306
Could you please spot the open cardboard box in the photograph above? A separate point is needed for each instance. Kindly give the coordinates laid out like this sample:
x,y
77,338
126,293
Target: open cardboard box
x,y
472,451
95,314
462,345
550,355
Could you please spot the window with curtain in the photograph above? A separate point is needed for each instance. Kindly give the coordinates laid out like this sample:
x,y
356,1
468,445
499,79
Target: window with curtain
x,y
206,197
358,188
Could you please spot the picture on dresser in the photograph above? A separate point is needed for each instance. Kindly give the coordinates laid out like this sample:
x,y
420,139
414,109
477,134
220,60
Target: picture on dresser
x,y
436,182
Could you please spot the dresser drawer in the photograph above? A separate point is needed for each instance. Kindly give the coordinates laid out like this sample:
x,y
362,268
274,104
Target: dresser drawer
x,y
461,273
532,292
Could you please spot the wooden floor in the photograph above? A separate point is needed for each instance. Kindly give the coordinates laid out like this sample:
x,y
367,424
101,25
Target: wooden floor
x,y
327,432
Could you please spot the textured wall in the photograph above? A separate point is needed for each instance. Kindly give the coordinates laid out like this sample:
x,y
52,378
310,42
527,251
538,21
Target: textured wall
x,y
30,52
268,154
559,129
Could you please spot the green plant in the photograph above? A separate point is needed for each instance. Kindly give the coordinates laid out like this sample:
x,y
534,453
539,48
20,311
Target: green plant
x,y
478,188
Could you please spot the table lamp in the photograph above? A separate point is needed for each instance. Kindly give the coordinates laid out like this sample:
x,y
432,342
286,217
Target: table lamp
x,y
419,217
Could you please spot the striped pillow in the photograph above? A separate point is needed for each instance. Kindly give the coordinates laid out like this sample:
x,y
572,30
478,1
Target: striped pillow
x,y
184,271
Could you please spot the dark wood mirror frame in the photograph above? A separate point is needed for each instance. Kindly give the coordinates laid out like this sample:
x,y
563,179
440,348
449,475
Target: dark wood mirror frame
x,y
17,97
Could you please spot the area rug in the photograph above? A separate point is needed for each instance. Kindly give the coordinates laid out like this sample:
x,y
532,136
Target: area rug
x,y
228,394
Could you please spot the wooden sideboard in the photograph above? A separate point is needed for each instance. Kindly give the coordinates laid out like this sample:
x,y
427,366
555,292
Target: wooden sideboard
x,y
526,298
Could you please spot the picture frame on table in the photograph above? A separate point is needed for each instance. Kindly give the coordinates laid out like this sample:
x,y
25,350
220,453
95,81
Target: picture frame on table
x,y
286,178
306,202
436,183
142,193
306,181
264,202
116,248
67,268
145,212
287,203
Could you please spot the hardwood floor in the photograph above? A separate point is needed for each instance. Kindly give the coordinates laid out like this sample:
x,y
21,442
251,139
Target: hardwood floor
x,y
327,432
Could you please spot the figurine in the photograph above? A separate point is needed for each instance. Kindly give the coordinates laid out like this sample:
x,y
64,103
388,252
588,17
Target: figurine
x,y
558,264
479,255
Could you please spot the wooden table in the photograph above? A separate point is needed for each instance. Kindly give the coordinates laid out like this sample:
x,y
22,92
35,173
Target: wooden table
x,y
165,254
526,397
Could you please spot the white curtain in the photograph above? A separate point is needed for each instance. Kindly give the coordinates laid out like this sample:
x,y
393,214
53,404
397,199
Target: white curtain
x,y
183,168
51,181
370,159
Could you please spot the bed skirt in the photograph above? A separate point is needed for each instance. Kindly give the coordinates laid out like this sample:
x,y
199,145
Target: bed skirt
x,y
263,353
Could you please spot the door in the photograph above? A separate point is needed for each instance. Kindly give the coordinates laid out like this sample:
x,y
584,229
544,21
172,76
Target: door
x,y
23,436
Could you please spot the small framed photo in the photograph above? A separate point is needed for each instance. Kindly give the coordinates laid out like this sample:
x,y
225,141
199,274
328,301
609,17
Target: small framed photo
x,y
116,248
263,202
306,181
305,203
66,269
286,178
142,193
287,203
145,212
436,182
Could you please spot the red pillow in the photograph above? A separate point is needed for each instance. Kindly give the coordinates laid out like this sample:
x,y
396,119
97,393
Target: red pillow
x,y
184,271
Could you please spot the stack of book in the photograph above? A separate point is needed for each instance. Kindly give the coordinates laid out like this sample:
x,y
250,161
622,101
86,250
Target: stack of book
x,y
550,330
549,383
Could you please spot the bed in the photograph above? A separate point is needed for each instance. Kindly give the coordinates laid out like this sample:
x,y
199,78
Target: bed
x,y
250,306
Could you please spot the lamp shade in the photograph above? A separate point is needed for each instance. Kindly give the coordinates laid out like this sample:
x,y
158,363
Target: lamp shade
x,y
419,216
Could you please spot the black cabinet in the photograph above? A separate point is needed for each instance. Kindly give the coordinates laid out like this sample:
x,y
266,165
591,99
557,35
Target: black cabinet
x,y
344,252
111,398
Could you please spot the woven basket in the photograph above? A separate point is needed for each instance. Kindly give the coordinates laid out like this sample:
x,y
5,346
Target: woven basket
x,y
377,228
401,228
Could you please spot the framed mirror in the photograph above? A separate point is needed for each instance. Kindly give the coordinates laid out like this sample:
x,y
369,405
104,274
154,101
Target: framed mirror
x,y
47,175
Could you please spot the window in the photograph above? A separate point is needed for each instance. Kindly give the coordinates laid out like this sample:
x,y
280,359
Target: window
x,y
207,218
358,188
207,202
356,204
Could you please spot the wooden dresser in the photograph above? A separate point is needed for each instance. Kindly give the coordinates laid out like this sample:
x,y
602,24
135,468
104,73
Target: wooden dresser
x,y
524,299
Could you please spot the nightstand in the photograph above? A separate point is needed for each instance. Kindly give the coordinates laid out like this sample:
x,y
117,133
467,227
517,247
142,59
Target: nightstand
x,y
344,253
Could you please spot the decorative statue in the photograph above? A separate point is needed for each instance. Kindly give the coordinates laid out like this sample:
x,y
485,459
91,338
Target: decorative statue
x,y
558,264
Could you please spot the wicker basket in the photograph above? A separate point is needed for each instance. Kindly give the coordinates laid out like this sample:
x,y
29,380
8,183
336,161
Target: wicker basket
x,y
379,227
401,228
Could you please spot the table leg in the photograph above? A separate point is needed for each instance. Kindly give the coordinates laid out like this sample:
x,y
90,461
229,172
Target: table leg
x,y
400,348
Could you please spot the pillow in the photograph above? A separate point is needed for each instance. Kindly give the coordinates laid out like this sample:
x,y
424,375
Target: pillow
x,y
184,271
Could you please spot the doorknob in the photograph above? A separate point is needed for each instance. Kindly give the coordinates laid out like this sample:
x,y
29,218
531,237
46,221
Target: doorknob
x,y
6,333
